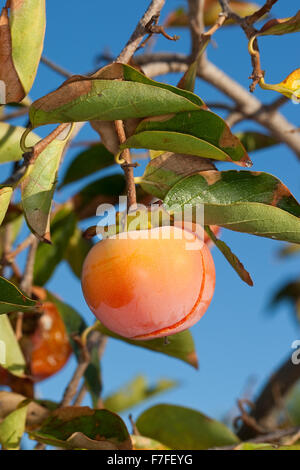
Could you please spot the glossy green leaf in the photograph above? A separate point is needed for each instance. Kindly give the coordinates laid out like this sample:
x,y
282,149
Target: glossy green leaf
x,y
89,161
49,256
14,361
12,428
102,191
231,257
181,345
12,299
27,24
200,133
281,26
165,170
10,136
38,188
5,197
134,392
244,201
84,428
253,141
183,428
144,443
101,97
77,251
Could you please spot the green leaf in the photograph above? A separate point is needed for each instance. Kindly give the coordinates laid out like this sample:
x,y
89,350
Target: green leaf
x,y
144,443
231,257
5,197
49,256
252,202
12,428
200,133
281,26
181,345
77,251
253,141
27,24
165,170
183,428
84,428
188,81
101,97
10,136
134,392
265,446
38,189
90,161
12,299
102,191
13,356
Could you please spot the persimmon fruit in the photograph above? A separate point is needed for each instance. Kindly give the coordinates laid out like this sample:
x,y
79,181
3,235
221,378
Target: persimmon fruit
x,y
150,284
50,346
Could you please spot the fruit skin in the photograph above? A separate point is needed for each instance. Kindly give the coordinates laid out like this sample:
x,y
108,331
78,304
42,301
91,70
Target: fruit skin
x,y
48,348
199,231
149,288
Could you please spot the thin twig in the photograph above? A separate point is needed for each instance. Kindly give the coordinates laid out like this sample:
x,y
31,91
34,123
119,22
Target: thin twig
x,y
26,282
15,114
127,166
23,245
57,68
136,38
247,26
267,403
72,387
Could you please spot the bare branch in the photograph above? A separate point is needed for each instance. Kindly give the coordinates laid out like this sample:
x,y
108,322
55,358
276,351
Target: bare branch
x,y
57,68
247,104
154,9
267,403
196,17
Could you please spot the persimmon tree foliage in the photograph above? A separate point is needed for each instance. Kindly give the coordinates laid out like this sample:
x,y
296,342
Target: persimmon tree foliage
x,y
188,147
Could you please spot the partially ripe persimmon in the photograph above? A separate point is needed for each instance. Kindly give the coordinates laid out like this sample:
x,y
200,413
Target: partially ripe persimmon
x,y
149,284
48,348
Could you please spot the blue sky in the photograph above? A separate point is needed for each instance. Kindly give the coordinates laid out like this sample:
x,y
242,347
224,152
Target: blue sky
x,y
238,337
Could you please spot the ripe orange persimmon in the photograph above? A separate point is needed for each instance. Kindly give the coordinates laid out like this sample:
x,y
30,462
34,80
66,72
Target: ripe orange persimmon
x,y
148,288
49,348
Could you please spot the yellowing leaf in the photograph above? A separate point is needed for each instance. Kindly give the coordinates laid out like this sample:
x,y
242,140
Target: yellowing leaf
x,y
13,427
27,24
5,196
290,87
281,26
10,136
11,89
38,188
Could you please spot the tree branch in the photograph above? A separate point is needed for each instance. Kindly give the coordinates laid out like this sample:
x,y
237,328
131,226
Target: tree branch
x,y
154,9
267,403
247,104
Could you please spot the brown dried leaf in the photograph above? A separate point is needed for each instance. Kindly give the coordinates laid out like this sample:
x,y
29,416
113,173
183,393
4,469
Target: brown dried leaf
x,y
11,90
